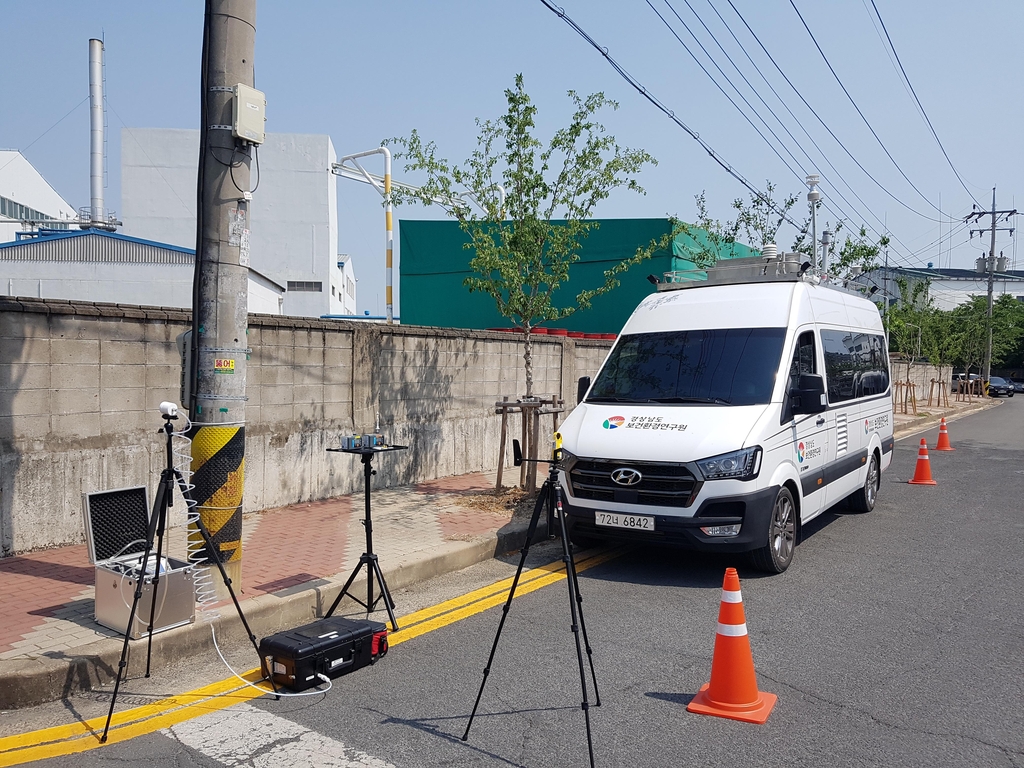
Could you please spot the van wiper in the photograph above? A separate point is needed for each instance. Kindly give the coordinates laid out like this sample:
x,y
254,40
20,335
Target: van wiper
x,y
715,400
610,399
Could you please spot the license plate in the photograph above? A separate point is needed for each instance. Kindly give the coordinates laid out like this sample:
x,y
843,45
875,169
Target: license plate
x,y
618,520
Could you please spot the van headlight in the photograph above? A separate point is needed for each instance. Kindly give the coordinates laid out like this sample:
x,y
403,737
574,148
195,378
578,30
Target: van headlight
x,y
738,465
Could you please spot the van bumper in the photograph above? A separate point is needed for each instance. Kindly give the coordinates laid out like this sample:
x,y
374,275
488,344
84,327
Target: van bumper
x,y
752,510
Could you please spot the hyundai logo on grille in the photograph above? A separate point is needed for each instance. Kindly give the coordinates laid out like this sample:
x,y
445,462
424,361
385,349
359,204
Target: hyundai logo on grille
x,y
626,476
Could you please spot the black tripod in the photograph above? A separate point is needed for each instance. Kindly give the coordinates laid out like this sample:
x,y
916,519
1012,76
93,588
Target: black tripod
x,y
368,558
551,492
157,524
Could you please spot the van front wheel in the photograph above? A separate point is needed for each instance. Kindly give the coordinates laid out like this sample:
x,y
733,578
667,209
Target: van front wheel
x,y
777,553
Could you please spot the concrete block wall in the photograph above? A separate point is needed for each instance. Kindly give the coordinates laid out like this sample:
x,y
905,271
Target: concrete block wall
x,y
80,384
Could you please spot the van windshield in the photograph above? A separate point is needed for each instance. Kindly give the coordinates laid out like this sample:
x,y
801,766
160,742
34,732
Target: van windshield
x,y
736,366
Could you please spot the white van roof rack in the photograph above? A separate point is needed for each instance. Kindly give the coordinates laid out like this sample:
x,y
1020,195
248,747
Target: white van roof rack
x,y
781,268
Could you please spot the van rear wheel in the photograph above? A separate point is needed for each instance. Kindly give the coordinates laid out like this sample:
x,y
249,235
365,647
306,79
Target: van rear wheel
x,y
864,499
777,553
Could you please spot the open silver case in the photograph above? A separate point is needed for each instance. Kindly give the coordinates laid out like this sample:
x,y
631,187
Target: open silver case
x,y
116,526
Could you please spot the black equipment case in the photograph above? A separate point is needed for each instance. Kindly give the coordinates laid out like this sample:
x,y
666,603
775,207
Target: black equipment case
x,y
330,647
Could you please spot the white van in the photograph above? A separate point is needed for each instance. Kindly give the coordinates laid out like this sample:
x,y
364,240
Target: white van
x,y
730,412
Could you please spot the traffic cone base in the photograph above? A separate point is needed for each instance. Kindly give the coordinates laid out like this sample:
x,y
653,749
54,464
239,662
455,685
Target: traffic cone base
x,y
923,470
732,692
756,712
943,444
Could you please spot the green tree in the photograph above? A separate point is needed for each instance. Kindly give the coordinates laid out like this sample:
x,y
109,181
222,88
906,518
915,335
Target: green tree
x,y
856,254
760,218
533,203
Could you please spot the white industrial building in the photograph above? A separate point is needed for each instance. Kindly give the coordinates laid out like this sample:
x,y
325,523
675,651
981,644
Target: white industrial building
x,y
27,201
293,217
95,265
946,288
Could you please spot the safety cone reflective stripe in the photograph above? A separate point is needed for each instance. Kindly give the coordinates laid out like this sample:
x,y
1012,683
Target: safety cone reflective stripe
x,y
943,444
923,470
732,692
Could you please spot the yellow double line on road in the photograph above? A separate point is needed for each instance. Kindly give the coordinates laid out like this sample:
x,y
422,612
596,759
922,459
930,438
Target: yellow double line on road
x,y
83,736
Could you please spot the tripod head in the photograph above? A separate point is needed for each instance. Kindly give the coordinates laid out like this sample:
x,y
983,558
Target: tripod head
x,y
556,455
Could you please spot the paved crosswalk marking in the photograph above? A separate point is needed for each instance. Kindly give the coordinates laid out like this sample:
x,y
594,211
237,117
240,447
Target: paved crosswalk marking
x,y
248,736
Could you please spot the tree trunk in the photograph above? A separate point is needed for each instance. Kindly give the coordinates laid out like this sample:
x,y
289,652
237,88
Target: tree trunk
x,y
528,359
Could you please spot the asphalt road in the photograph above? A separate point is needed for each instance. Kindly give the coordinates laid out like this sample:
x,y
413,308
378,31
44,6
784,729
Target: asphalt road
x,y
896,638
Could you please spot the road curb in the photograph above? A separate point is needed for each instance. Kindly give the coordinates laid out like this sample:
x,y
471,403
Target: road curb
x,y
28,682
922,423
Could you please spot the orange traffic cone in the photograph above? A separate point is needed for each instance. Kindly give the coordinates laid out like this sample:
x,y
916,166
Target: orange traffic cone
x,y
732,692
923,470
943,444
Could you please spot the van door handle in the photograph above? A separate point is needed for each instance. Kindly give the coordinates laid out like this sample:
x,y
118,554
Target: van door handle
x,y
820,421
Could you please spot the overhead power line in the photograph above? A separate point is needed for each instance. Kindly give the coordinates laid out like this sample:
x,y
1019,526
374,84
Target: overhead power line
x,y
821,120
642,90
859,112
920,106
806,154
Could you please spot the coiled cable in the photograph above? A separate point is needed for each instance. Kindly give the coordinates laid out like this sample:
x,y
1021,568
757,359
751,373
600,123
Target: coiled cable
x,y
195,545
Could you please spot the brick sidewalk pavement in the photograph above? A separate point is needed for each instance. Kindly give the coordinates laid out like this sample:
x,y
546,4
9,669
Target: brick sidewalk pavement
x,y
48,595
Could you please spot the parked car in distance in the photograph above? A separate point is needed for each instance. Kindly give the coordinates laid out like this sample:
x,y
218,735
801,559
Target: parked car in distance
x,y
1018,386
958,382
999,386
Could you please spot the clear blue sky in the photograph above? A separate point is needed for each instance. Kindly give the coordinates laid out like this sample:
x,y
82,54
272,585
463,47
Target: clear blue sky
x,y
365,71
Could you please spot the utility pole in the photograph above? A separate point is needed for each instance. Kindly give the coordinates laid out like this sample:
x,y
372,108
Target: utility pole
x,y
990,268
221,290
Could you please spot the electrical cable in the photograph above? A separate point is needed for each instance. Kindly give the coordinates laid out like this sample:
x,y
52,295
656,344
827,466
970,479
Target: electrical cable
x,y
37,138
643,91
330,683
782,101
859,112
820,120
720,88
200,222
920,105
844,215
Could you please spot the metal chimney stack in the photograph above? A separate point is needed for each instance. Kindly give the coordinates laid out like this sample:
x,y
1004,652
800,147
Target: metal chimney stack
x,y
97,214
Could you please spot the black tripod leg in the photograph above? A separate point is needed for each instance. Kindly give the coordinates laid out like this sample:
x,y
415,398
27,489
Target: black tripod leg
x,y
168,488
385,593
208,540
571,582
579,601
160,500
504,611
344,590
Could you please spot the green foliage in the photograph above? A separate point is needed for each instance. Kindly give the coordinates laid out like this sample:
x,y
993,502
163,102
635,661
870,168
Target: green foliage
x,y
760,219
532,204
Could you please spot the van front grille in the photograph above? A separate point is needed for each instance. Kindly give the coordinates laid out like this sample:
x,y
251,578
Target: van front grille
x,y
662,485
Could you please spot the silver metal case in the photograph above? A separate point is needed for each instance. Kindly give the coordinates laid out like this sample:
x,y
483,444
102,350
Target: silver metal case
x,y
116,526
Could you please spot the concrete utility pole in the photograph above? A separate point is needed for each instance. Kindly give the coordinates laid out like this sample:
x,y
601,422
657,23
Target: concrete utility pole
x,y
990,268
220,293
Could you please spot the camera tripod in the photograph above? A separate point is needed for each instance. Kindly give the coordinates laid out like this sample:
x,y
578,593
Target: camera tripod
x,y
164,499
551,496
368,558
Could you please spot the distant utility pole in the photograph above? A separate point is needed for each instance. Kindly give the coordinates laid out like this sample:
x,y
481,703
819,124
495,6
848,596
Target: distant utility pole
x,y
221,284
990,267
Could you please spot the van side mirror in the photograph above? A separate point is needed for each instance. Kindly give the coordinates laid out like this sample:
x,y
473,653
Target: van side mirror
x,y
581,388
517,453
808,396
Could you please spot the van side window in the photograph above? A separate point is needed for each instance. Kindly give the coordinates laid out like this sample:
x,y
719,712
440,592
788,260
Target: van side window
x,y
856,364
804,358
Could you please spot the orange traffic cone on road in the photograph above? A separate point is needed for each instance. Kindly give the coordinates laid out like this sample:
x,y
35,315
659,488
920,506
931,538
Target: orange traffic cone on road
x,y
923,470
943,444
732,692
